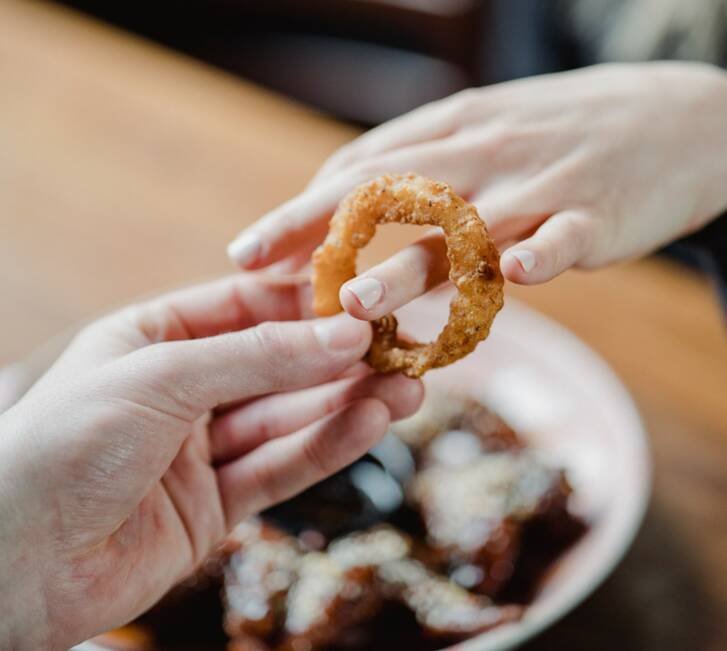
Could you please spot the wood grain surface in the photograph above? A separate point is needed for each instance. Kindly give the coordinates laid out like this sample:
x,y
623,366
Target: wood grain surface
x,y
125,169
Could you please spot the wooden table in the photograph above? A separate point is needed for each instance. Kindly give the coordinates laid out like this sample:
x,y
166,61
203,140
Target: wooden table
x,y
125,168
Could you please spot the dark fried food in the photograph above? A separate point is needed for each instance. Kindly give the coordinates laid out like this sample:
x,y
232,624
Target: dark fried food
x,y
325,601
261,568
323,596
473,257
279,596
479,520
443,413
442,608
474,509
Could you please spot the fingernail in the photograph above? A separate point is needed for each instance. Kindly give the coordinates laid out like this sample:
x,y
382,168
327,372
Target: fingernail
x,y
245,249
339,332
526,260
367,291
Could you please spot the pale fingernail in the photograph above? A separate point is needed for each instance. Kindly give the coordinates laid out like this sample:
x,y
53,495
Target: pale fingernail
x,y
340,332
245,249
525,258
367,291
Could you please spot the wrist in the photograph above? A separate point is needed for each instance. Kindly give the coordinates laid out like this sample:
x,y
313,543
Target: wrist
x,y
24,623
720,93
707,120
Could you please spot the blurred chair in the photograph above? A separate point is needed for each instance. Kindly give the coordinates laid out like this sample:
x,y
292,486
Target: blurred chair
x,y
361,60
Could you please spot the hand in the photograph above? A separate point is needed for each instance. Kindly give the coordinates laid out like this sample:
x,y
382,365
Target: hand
x,y
157,430
17,378
577,169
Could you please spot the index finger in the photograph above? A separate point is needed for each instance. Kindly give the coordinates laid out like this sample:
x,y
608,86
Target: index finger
x,y
302,222
387,286
226,305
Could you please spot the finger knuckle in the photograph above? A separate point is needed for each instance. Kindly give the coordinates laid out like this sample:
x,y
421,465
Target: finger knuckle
x,y
344,156
320,456
170,390
128,319
464,103
579,233
267,484
271,340
366,169
278,350
501,139
269,429
165,368
333,402
555,261
89,332
237,303
132,315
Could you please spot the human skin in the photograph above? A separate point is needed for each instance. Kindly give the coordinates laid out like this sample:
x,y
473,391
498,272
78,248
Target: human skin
x,y
157,430
577,169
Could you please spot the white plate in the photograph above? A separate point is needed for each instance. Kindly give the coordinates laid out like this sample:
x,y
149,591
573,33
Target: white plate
x,y
564,398
549,386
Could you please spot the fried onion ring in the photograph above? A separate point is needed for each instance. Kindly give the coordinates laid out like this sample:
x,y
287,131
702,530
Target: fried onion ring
x,y
473,257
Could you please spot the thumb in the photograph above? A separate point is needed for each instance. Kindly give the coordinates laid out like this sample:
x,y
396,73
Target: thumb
x,y
187,378
560,243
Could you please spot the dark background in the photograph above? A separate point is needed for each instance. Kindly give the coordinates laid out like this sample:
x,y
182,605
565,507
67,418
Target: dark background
x,y
365,61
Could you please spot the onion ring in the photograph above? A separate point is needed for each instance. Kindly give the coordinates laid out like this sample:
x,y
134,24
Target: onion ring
x,y
473,257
